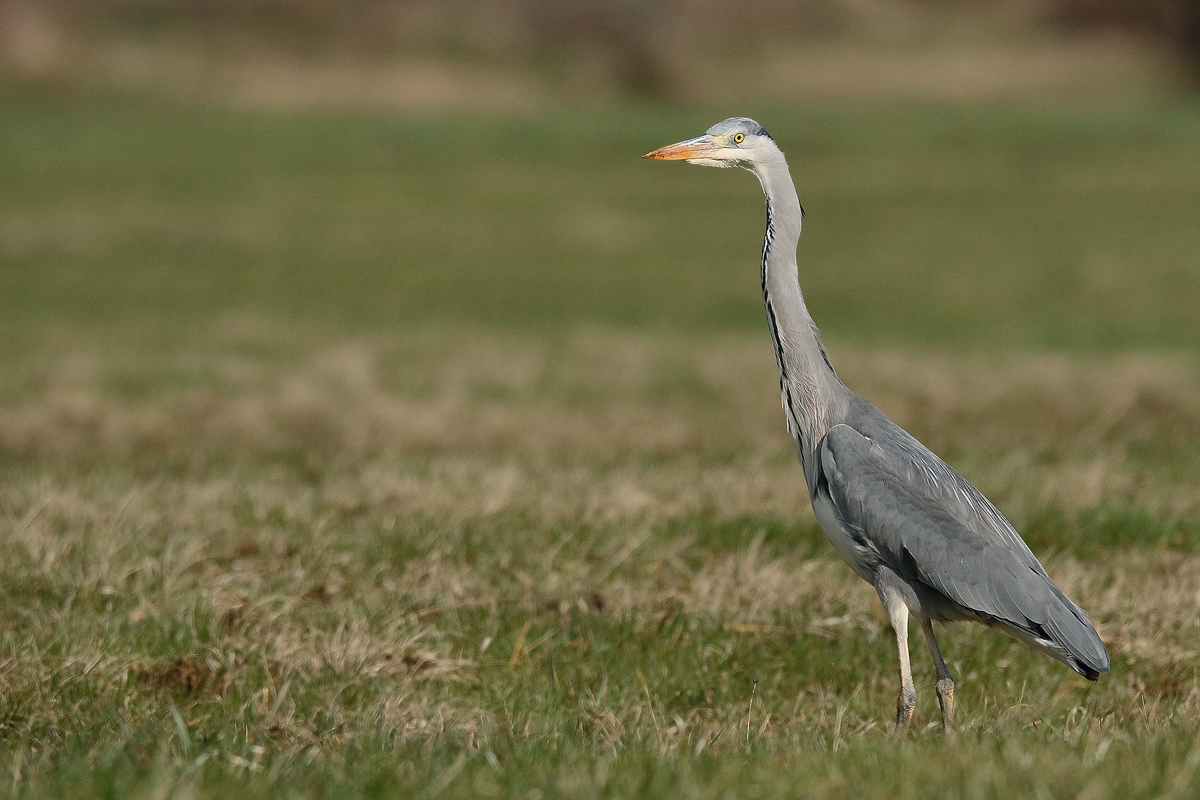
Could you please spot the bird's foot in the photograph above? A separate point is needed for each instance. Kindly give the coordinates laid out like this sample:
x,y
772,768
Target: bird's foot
x,y
945,694
904,708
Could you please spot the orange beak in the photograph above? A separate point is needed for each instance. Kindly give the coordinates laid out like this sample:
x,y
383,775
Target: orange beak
x,y
700,147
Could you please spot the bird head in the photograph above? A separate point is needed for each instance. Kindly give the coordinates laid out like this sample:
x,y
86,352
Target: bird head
x,y
735,142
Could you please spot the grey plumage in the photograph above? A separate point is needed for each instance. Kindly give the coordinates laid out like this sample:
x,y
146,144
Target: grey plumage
x,y
929,541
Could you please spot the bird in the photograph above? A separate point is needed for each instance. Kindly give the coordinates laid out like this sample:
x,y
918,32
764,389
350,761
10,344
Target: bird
x,y
906,522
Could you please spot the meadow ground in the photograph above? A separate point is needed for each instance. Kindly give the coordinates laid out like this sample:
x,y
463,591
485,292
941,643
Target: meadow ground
x,y
362,454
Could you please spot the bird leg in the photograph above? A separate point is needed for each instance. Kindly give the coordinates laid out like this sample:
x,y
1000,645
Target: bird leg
x,y
897,613
945,683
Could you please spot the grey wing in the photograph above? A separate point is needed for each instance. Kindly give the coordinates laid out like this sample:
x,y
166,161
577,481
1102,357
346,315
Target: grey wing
x,y
932,527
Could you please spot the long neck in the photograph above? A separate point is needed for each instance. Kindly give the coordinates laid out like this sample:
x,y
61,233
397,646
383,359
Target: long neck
x,y
813,397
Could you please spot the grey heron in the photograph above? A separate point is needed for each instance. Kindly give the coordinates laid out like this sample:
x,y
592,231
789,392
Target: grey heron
x,y
928,541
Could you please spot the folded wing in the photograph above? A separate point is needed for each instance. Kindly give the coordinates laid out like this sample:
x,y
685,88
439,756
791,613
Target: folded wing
x,y
936,530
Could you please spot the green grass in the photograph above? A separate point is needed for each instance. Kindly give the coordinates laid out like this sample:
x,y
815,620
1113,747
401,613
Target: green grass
x,y
1026,226
366,455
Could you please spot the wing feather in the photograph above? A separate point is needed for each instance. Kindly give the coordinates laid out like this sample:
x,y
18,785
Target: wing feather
x,y
931,526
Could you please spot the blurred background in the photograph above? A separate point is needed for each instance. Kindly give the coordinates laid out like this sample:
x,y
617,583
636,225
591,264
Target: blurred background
x,y
662,49
1021,173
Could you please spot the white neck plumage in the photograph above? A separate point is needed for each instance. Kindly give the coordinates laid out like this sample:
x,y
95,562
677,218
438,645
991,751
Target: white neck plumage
x,y
813,397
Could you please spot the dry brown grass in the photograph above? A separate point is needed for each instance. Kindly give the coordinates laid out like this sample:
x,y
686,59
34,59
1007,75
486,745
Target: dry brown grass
x,y
1093,67
269,552
619,426
889,50
594,444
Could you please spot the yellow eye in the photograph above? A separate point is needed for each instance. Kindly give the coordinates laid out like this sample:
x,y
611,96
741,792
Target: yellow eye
x,y
738,138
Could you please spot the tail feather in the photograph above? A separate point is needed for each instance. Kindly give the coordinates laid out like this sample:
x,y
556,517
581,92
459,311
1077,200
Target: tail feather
x,y
1073,632
1067,635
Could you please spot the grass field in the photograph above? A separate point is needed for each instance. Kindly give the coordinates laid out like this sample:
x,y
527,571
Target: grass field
x,y
356,454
